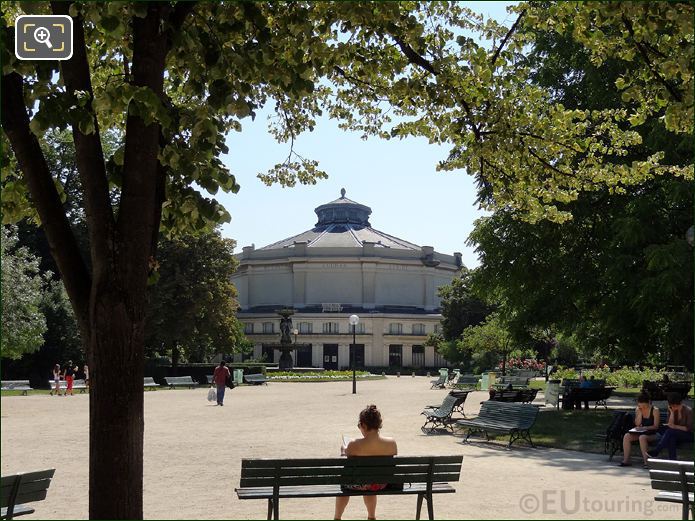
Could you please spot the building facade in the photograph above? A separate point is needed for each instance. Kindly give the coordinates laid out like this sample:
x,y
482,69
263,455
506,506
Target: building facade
x,y
343,266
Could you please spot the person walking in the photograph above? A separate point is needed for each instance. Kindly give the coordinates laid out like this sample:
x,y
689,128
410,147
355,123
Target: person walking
x,y
86,376
69,374
56,380
220,377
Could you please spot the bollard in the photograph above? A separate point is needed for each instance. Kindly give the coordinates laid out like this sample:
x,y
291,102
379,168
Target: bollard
x,y
413,374
398,374
383,373
428,374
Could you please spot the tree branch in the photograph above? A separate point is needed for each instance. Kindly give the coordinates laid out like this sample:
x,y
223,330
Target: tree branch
x,y
414,57
89,154
670,88
61,240
506,37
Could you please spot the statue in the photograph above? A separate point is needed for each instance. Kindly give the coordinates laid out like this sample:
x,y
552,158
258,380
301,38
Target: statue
x,y
285,329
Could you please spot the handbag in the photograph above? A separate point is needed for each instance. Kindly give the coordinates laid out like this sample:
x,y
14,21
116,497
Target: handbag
x,y
212,394
230,382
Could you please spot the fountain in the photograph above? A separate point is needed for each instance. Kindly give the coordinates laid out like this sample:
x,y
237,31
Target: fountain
x,y
286,346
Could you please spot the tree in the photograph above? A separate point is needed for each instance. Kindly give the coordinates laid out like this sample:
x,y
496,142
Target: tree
x,y
616,277
174,78
192,309
489,337
23,324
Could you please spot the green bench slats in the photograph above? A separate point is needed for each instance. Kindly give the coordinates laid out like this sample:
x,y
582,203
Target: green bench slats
x,y
513,418
440,382
180,381
79,385
676,482
23,488
272,479
256,379
441,416
149,383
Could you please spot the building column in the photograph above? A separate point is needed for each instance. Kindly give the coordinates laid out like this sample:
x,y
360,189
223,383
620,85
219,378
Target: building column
x,y
344,355
407,355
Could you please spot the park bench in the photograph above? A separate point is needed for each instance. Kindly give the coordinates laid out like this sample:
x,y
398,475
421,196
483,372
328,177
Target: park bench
x,y
19,489
514,381
437,416
659,390
440,382
149,383
16,385
577,395
273,479
77,385
180,381
514,395
500,417
256,379
674,480
467,381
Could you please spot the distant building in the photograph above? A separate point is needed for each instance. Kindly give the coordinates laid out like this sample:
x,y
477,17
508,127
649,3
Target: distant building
x,y
343,266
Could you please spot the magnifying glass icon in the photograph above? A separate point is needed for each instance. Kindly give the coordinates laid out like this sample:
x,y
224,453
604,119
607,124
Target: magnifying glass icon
x,y
43,35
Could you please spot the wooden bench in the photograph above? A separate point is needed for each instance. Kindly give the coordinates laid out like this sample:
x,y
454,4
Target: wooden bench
x,y
576,395
273,479
514,395
675,481
180,381
256,379
614,445
500,417
442,415
514,381
16,385
79,385
149,383
659,390
19,489
467,381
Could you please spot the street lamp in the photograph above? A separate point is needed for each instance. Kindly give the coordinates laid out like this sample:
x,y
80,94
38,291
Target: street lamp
x,y
354,320
690,235
294,332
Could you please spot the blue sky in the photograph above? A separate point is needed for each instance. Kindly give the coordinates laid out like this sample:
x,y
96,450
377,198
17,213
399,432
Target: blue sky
x,y
396,178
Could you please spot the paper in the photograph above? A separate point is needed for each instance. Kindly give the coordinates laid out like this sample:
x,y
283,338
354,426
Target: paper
x,y
641,430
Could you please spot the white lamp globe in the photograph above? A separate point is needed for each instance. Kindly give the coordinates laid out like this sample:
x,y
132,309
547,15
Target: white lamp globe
x,y
354,320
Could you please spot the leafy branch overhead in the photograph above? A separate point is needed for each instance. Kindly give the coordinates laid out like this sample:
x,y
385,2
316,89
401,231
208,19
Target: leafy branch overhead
x,y
383,69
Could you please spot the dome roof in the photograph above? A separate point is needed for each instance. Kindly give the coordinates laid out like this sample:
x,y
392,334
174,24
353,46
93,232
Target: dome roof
x,y
343,223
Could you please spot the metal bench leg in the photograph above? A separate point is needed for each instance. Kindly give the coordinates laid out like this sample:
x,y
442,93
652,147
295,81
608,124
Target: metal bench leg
x,y
270,509
430,507
418,508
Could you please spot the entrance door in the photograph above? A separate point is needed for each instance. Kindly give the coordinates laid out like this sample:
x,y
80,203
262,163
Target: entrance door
x,y
418,356
304,356
330,356
359,355
395,355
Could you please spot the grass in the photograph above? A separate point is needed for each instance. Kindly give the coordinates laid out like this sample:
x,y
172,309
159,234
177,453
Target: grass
x,y
573,430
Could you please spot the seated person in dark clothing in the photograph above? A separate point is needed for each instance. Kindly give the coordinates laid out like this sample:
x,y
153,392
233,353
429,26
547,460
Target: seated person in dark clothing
x,y
583,384
679,428
647,417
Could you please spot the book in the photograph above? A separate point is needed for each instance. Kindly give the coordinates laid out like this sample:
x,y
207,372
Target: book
x,y
345,440
641,430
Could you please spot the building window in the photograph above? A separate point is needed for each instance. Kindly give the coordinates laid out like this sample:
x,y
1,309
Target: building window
x,y
395,355
306,328
418,356
330,327
395,328
360,329
437,328
268,328
418,329
248,328
439,360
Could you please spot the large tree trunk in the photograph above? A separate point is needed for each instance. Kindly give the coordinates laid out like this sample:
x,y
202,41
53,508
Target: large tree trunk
x,y
116,408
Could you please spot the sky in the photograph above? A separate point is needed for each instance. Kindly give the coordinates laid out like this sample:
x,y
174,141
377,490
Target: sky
x,y
397,179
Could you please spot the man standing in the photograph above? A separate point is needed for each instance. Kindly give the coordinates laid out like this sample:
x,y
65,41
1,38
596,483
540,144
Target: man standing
x,y
69,374
220,377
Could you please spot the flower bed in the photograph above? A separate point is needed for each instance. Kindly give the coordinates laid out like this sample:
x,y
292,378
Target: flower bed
x,y
319,376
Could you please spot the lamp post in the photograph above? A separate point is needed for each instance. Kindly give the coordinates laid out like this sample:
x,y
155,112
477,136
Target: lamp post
x,y
296,354
354,320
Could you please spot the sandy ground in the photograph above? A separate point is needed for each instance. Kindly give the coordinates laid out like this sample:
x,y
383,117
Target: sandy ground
x,y
193,452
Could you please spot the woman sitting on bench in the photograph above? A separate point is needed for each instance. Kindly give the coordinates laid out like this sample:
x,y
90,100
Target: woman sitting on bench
x,y
647,418
371,444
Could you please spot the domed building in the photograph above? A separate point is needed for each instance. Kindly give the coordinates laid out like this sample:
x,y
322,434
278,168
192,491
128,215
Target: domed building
x,y
340,267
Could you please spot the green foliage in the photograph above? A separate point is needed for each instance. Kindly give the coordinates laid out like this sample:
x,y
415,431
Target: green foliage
x,y
487,342
192,304
317,374
23,323
460,309
623,377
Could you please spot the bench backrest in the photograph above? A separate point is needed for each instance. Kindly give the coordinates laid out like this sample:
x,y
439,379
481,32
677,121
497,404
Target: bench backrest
x,y
179,380
9,384
349,471
468,379
447,406
523,416
258,376
149,380
672,476
24,488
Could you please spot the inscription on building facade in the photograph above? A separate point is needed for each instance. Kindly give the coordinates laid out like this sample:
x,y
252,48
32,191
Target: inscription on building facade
x,y
331,307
